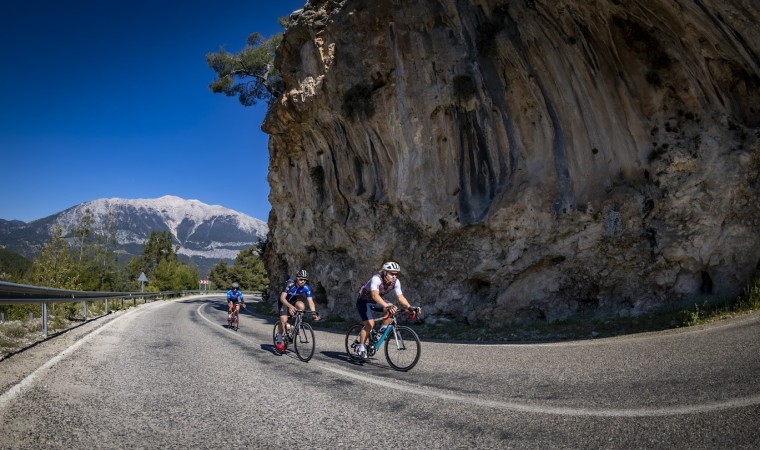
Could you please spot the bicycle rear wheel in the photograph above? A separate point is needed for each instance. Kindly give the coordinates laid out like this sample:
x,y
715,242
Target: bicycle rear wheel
x,y
304,342
403,348
351,337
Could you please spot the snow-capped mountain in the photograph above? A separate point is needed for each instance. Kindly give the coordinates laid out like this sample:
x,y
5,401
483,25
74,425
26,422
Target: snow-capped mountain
x,y
204,233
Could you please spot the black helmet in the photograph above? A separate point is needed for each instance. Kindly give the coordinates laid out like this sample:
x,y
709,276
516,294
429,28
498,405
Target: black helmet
x,y
302,274
235,285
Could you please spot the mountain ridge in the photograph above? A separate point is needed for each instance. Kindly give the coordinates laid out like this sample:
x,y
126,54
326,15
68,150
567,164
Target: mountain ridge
x,y
205,234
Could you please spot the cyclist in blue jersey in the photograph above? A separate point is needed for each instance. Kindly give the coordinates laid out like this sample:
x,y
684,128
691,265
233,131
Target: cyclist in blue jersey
x,y
234,300
371,299
293,290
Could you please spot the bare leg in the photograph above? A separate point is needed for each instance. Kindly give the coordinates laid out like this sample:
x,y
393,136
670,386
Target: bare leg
x,y
283,321
368,325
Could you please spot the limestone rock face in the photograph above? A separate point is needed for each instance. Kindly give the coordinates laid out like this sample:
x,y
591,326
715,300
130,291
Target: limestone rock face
x,y
521,160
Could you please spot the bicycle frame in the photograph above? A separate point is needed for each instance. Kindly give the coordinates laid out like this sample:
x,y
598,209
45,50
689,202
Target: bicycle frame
x,y
296,326
392,326
386,333
297,320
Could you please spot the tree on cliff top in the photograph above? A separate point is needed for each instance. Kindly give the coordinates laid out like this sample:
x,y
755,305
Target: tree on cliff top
x,y
250,74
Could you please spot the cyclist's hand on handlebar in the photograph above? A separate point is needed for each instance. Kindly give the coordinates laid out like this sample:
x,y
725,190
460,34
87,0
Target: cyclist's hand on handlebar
x,y
292,310
315,315
391,309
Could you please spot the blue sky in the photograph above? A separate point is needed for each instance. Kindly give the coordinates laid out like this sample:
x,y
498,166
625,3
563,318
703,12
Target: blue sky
x,y
104,99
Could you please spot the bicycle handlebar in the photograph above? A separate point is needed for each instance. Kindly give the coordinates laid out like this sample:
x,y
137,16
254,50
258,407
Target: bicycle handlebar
x,y
402,309
313,313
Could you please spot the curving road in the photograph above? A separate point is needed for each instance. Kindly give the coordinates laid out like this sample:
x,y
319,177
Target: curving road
x,y
171,375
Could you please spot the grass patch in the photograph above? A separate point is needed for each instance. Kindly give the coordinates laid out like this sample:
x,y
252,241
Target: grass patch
x,y
747,302
15,330
5,343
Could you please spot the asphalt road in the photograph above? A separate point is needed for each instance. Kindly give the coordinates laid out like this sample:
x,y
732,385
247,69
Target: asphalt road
x,y
171,375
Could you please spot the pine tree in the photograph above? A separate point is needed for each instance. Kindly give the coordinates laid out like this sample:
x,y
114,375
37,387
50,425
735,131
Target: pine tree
x,y
54,267
250,74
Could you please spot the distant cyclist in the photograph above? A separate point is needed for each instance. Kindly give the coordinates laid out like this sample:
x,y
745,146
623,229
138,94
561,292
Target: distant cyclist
x,y
293,290
371,298
234,300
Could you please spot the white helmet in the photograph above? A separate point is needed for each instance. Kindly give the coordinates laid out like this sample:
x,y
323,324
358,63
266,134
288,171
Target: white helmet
x,y
391,266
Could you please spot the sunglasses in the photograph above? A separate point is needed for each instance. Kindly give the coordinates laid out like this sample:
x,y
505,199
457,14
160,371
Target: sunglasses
x,y
302,279
393,274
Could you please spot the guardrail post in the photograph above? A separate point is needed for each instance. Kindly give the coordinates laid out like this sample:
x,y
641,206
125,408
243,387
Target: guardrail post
x,y
31,315
105,302
84,309
2,317
44,320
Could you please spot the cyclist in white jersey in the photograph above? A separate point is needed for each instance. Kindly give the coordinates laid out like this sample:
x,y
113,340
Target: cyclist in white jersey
x,y
371,299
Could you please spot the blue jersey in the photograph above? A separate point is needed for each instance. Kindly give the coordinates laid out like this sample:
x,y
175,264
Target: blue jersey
x,y
292,289
235,296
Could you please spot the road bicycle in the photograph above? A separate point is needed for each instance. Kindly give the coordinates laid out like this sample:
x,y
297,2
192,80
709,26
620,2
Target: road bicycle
x,y
233,318
402,345
298,333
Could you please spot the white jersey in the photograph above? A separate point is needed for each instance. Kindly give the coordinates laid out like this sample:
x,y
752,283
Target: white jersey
x,y
376,284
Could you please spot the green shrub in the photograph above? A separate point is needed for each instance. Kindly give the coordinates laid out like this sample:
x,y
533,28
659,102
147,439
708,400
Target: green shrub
x,y
21,312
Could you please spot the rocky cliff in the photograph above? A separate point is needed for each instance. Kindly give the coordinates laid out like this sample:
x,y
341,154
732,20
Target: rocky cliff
x,y
521,160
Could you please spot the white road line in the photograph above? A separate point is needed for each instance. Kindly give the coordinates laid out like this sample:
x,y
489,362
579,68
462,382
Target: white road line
x,y
563,411
216,324
535,409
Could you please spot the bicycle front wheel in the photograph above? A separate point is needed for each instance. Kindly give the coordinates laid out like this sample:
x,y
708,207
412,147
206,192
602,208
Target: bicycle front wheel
x,y
304,342
352,338
403,348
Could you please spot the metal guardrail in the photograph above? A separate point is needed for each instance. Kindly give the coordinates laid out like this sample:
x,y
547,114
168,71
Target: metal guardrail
x,y
21,294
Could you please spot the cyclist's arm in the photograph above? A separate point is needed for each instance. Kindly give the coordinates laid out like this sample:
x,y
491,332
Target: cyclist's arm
x,y
310,300
404,301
